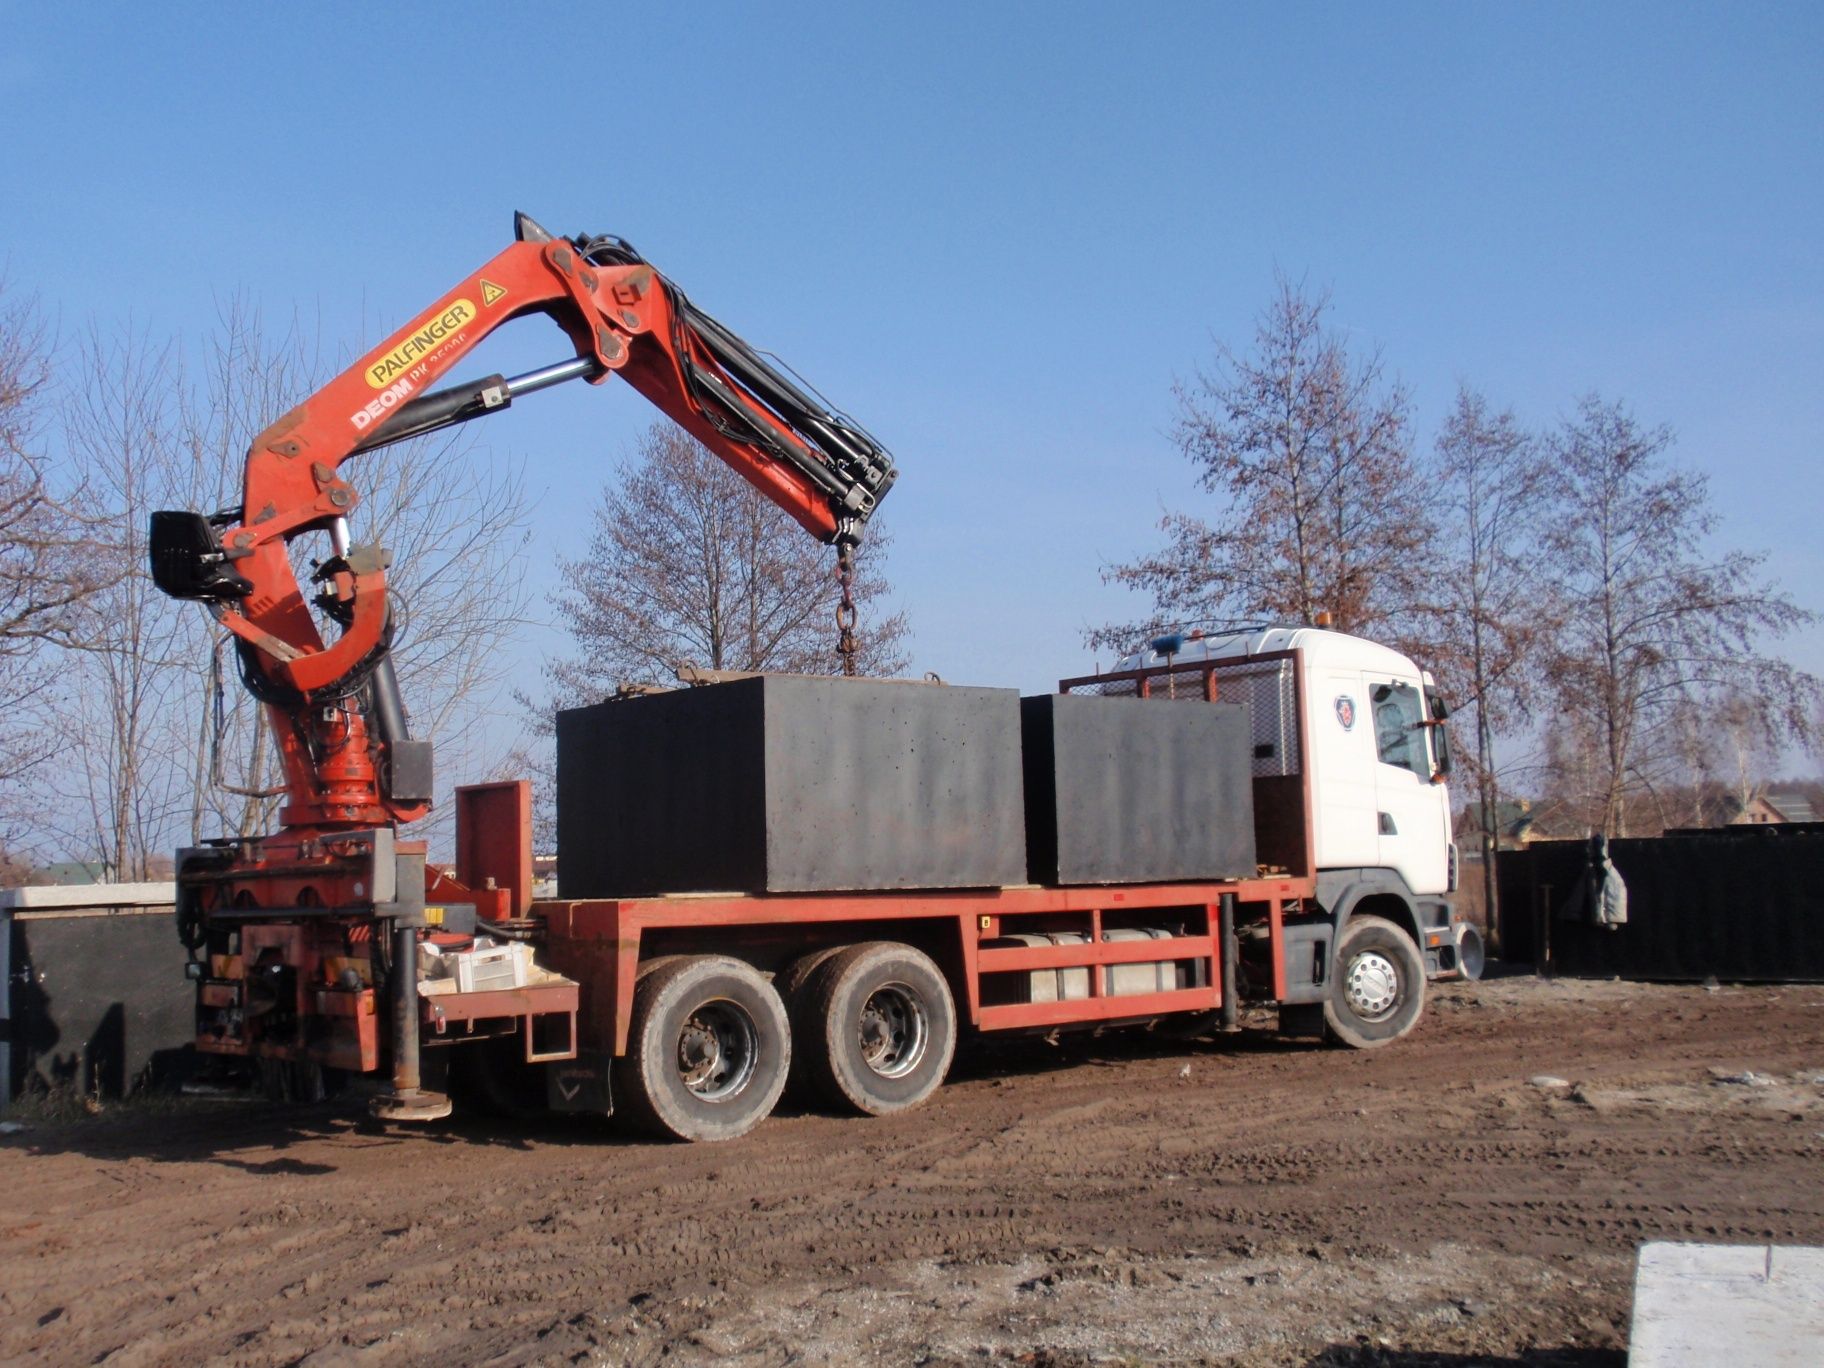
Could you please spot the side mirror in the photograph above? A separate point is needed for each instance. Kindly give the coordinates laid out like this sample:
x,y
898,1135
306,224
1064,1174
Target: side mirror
x,y
1435,705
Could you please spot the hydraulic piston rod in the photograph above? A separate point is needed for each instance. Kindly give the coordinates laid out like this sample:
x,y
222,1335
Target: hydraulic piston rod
x,y
458,404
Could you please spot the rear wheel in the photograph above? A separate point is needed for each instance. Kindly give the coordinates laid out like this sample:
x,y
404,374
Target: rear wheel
x,y
878,1028
794,983
708,1051
1377,989
796,976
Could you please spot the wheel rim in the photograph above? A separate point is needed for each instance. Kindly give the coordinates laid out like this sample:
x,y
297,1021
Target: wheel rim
x,y
717,1047
1372,986
894,1030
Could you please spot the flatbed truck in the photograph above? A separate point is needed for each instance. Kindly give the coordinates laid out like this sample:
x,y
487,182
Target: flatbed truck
x,y
319,946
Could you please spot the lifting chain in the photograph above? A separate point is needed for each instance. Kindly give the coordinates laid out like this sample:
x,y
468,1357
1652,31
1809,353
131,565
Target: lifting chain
x,y
845,607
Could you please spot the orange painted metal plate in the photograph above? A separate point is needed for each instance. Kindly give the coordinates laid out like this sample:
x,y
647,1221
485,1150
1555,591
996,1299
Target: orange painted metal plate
x,y
1137,1005
494,841
1104,952
533,1000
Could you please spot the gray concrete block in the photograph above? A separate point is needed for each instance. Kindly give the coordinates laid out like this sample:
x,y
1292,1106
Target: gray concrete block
x,y
791,783
1130,790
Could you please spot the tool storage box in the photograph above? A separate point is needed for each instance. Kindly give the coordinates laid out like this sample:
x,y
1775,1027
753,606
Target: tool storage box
x,y
1072,984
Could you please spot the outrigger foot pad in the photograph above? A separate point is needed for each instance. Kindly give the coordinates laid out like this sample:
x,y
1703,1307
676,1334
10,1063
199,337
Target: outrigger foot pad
x,y
412,1104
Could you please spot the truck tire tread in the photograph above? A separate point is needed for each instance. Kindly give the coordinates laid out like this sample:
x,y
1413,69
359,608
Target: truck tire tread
x,y
649,1092
1361,933
834,998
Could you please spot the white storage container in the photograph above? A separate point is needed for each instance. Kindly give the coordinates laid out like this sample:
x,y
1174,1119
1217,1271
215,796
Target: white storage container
x,y
491,969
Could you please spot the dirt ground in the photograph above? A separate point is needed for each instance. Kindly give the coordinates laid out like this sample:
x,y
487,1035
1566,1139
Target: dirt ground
x,y
1116,1200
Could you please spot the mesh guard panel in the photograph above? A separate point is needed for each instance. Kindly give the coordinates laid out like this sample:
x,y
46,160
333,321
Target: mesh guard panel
x,y
1266,684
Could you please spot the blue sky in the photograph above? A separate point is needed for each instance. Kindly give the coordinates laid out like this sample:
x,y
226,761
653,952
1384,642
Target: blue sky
x,y
995,233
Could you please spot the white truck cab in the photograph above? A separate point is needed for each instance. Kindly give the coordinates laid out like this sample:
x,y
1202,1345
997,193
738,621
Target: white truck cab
x,y
1376,756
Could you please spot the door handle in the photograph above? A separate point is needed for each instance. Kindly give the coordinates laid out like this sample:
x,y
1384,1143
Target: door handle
x,y
1387,826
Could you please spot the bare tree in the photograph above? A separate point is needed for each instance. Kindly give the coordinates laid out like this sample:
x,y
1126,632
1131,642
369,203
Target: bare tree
x,y
48,564
1653,628
689,565
1727,758
1490,605
1724,755
246,375
129,780
1311,451
173,748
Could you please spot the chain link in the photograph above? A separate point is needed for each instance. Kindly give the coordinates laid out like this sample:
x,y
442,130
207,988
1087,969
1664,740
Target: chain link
x,y
845,609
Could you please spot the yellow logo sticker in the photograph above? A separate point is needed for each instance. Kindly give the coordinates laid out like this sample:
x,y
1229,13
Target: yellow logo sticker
x,y
424,339
490,292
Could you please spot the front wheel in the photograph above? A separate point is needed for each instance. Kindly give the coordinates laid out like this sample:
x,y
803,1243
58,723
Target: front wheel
x,y
708,1052
1377,989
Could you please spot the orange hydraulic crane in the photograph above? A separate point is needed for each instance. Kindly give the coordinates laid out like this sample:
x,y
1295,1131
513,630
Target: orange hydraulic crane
x,y
353,772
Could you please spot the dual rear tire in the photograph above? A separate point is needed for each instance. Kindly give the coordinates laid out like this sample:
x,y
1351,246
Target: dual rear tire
x,y
869,1027
709,1049
875,1026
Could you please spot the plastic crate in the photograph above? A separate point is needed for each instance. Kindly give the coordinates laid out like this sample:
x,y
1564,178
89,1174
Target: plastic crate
x,y
490,970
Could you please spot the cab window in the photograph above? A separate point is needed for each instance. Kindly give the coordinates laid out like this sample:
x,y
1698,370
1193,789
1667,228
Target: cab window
x,y
1399,727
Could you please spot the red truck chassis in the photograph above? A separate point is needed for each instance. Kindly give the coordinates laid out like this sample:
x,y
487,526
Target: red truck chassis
x,y
602,943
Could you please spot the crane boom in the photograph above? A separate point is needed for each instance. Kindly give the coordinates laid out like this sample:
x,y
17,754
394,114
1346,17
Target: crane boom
x,y
335,706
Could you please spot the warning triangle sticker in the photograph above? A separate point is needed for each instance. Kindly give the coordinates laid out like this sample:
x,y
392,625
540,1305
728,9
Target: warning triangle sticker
x,y
490,292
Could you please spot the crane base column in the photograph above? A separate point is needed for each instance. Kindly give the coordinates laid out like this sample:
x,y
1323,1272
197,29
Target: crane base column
x,y
407,1099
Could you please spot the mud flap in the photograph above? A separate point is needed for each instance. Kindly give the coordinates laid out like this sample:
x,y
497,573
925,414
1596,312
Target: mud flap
x,y
579,1085
1302,1021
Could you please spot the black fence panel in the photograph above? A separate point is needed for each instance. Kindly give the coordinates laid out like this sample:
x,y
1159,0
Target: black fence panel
x,y
97,1002
1739,904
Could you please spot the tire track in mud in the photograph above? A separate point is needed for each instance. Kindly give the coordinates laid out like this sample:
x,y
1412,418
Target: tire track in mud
x,y
257,1237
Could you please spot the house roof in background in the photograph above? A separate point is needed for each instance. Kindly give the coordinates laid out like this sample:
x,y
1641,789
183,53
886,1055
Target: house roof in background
x,y
1791,807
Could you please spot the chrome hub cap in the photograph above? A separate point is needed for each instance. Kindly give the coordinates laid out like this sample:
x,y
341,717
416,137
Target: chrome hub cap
x,y
716,1050
1372,985
894,1030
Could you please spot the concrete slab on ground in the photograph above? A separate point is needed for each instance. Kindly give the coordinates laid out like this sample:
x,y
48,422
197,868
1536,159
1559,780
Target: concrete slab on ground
x,y
1749,1306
